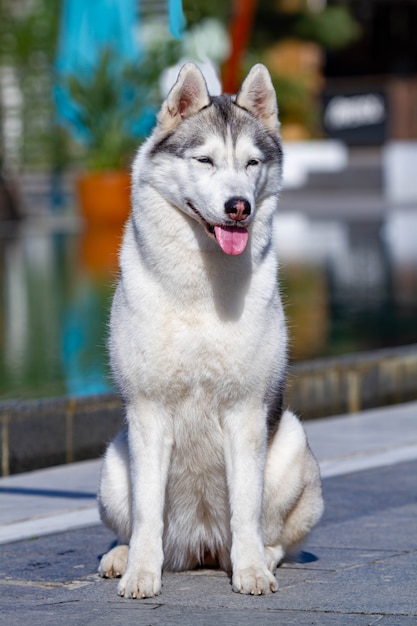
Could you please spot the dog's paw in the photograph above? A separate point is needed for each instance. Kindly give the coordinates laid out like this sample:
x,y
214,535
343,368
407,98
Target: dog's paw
x,y
274,556
254,581
139,584
114,563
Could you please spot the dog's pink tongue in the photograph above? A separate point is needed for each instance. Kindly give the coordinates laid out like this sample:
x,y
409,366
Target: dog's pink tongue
x,y
231,239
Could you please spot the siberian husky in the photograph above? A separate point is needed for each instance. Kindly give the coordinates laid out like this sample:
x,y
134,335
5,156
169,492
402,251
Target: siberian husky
x,y
209,467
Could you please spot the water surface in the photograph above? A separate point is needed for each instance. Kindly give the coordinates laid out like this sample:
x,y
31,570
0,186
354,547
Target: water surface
x,y
348,285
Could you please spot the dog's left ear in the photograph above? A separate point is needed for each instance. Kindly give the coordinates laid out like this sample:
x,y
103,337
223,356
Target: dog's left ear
x,y
257,95
188,96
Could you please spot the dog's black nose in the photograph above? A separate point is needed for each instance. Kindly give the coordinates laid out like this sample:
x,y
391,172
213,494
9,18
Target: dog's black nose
x,y
237,208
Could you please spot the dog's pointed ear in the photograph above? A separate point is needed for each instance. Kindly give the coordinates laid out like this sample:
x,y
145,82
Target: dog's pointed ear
x,y
188,95
257,95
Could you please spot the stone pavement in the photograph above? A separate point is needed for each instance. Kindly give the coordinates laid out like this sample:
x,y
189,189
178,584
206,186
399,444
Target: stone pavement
x,y
358,567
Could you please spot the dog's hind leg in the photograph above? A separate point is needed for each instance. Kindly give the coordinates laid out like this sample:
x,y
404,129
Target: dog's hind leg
x,y
114,503
113,564
292,502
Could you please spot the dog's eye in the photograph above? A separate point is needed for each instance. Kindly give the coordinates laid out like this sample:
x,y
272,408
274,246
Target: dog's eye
x,y
252,162
205,159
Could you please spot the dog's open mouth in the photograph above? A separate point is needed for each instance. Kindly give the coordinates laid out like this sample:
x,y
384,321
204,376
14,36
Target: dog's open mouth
x,y
231,239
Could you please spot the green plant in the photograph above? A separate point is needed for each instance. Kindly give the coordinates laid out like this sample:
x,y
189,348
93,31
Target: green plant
x,y
114,104
333,28
28,32
294,101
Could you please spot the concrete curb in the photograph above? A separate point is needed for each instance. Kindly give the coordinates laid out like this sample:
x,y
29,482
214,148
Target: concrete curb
x,y
44,433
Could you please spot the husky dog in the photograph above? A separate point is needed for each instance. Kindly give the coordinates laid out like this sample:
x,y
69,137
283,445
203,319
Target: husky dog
x,y
209,467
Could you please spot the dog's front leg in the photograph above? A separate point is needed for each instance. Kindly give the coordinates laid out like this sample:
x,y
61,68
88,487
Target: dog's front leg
x,y
245,463
149,454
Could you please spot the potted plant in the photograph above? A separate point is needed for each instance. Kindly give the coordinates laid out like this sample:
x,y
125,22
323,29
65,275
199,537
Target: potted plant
x,y
113,109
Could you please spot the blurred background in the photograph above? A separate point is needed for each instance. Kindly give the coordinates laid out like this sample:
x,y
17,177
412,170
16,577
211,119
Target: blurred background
x,y
80,85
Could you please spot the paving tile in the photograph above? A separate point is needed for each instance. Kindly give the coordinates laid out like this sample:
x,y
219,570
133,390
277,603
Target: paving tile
x,y
394,529
358,567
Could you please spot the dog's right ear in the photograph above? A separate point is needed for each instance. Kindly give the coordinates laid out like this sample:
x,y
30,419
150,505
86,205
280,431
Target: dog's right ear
x,y
188,95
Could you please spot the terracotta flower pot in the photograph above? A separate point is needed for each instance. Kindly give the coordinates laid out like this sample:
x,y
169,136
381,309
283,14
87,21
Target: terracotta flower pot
x,y
104,197
98,248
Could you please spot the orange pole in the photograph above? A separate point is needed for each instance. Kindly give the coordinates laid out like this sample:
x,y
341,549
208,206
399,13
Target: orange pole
x,y
240,30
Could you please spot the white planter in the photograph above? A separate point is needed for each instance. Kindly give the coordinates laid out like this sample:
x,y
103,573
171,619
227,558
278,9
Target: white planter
x,y
303,157
400,171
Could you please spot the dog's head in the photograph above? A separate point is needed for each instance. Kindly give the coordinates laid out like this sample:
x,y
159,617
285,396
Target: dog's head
x,y
220,156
